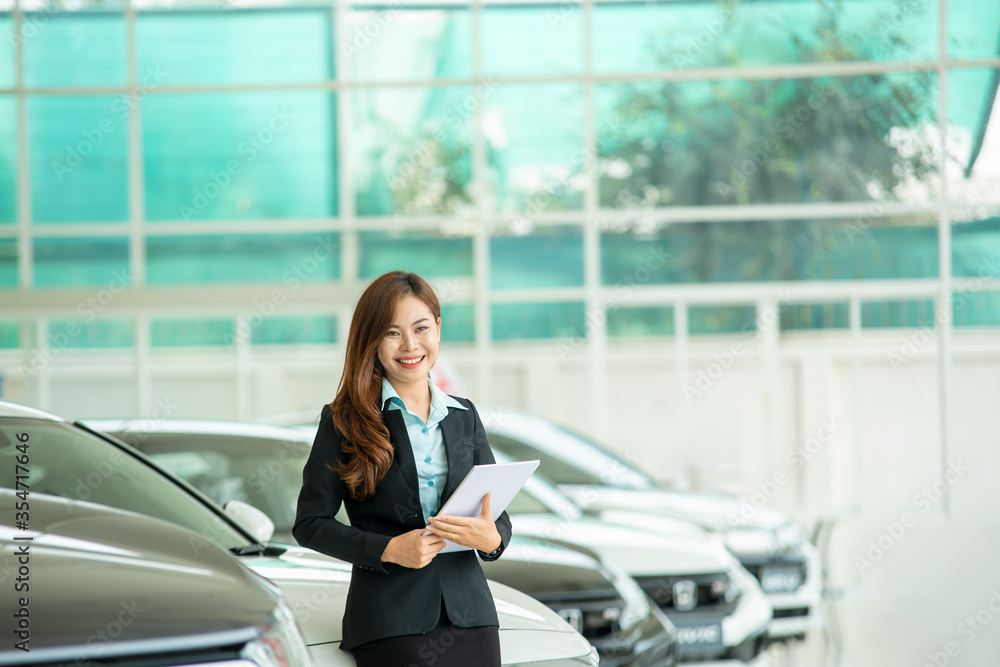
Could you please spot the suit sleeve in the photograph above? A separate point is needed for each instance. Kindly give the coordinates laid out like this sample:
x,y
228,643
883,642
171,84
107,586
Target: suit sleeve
x,y
322,493
483,454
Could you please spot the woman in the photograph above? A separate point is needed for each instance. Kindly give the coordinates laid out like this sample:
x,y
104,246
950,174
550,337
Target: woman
x,y
392,447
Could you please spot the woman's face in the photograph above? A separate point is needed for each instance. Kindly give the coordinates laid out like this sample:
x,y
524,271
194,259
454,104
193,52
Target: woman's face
x,y
410,346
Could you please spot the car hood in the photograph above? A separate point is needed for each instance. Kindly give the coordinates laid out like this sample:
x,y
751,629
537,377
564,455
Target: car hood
x,y
91,565
315,586
709,511
637,551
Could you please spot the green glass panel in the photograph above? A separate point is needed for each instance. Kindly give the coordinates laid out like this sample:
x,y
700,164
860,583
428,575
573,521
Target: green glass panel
x,y
797,316
975,142
261,45
973,29
8,263
7,61
888,314
458,322
213,156
393,43
721,319
547,257
427,255
77,146
534,147
10,335
82,262
636,37
77,48
413,149
976,309
513,321
864,248
292,330
8,159
975,248
289,258
764,141
532,41
95,334
639,322
189,332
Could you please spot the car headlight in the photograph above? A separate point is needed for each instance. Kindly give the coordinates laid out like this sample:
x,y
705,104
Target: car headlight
x,y
281,645
789,536
750,541
636,606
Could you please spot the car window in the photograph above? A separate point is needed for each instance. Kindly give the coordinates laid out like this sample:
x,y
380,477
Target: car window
x,y
69,462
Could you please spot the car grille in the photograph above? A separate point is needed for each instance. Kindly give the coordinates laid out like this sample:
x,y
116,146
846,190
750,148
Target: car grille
x,y
783,574
710,591
595,616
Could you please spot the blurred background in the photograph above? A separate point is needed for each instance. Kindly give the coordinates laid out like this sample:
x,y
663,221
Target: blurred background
x,y
752,246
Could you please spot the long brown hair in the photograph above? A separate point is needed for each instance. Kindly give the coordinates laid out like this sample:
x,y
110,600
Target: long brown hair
x,y
368,453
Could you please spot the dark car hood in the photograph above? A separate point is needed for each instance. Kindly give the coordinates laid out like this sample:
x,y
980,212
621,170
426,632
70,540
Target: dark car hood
x,y
95,573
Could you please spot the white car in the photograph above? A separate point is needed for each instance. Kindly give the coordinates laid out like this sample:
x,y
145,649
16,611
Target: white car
x,y
70,461
767,544
724,613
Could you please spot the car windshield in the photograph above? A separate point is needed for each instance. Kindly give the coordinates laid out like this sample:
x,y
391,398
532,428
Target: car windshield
x,y
570,458
262,472
69,462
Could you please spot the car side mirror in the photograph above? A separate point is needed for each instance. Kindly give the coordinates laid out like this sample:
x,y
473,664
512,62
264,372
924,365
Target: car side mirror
x,y
251,520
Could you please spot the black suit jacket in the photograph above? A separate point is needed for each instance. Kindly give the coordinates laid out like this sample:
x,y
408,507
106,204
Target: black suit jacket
x,y
388,599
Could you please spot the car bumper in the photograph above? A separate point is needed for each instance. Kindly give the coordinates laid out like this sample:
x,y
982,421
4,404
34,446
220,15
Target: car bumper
x,y
798,611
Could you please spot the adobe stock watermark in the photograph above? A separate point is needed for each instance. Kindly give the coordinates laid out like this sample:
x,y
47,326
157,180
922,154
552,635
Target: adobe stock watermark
x,y
784,129
87,311
692,47
910,346
893,532
99,642
721,362
624,288
263,308
968,629
369,31
252,146
794,461
90,139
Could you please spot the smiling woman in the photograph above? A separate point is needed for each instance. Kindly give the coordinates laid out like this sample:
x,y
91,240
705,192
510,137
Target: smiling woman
x,y
391,448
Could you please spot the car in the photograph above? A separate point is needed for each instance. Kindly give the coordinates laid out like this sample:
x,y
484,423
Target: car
x,y
261,465
88,584
768,545
69,460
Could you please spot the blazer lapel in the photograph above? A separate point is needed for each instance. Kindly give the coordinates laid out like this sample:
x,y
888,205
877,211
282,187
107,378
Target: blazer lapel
x,y
453,434
404,451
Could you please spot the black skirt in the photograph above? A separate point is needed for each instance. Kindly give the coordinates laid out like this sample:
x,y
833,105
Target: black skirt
x,y
445,645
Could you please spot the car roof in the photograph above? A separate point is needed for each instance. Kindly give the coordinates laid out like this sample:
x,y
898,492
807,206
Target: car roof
x,y
201,427
8,409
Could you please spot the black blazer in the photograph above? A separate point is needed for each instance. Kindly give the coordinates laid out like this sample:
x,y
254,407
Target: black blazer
x,y
387,599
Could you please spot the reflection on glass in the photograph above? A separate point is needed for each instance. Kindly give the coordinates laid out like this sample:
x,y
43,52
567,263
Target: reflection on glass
x,y
7,61
77,148
532,40
976,309
458,322
10,334
639,322
412,150
8,159
177,332
430,255
864,248
393,43
293,330
290,259
512,321
200,46
972,29
534,144
81,333
704,320
975,244
212,156
796,316
785,140
974,136
630,37
74,49
78,262
546,257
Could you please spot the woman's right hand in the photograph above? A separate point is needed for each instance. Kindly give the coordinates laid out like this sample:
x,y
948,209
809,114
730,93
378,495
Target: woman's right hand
x,y
413,549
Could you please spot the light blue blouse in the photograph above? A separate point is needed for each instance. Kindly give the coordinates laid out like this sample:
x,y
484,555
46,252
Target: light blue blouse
x,y
426,441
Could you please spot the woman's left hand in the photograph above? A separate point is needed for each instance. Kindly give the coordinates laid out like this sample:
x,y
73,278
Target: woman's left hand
x,y
478,532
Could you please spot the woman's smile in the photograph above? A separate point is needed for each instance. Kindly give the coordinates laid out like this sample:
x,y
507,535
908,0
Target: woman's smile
x,y
411,362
